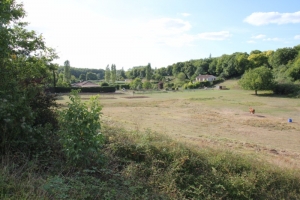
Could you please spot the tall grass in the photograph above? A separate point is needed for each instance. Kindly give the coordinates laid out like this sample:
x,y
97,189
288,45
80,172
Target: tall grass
x,y
147,165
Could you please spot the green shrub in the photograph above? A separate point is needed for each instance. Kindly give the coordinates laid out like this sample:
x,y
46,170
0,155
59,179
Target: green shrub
x,y
27,120
117,86
80,130
104,84
125,86
286,89
102,89
147,85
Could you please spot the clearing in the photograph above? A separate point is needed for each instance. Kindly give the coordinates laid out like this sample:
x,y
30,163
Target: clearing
x,y
215,119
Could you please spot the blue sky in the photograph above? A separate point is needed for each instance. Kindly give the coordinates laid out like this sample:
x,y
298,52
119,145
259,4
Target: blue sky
x,y
95,33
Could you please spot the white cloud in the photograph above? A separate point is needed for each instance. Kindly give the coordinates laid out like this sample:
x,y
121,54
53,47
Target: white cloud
x,y
167,26
264,18
221,35
185,14
271,39
297,37
260,36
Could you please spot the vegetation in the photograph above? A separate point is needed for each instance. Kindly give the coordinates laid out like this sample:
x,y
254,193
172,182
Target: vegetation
x,y
66,153
260,78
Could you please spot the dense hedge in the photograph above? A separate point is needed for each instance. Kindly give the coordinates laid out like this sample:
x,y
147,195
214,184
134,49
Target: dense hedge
x,y
286,89
126,86
102,89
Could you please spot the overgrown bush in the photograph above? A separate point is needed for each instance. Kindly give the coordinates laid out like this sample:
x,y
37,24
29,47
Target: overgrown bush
x,y
104,84
28,120
125,86
102,89
286,89
79,132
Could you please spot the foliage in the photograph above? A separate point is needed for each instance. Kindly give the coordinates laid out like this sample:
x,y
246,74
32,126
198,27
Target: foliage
x,y
104,84
67,72
107,74
82,77
91,76
257,79
125,86
148,72
25,67
113,73
136,84
102,89
181,77
147,85
80,130
286,89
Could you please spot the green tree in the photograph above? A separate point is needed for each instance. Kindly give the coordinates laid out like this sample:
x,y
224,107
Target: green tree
x,y
181,76
107,74
148,72
260,78
258,59
91,76
67,72
113,73
136,84
82,77
283,56
147,85
26,116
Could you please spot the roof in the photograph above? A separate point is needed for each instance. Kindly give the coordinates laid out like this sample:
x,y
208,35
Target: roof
x,y
85,84
204,76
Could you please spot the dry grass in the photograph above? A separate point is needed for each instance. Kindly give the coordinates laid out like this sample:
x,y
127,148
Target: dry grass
x,y
215,118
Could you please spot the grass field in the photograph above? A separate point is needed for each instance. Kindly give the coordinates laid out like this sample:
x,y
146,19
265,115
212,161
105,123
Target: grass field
x,y
213,118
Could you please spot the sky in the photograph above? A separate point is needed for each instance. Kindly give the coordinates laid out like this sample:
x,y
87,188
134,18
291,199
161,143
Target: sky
x,y
128,33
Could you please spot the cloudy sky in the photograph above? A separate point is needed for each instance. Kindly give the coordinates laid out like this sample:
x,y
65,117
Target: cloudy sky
x,y
95,33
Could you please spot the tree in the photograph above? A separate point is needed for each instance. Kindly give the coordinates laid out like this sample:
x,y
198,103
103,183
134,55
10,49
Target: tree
x,y
82,77
107,74
181,76
27,116
148,72
147,85
91,76
113,73
122,73
136,84
260,78
283,56
67,72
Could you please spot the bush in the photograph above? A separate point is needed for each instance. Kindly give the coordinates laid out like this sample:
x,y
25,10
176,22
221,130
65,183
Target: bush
x,y
147,85
27,120
102,89
125,86
116,86
104,84
286,89
80,130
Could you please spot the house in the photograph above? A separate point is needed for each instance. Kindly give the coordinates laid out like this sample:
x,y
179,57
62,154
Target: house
x,y
201,78
85,84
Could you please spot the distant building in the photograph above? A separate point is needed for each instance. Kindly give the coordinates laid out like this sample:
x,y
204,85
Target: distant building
x,y
85,84
202,78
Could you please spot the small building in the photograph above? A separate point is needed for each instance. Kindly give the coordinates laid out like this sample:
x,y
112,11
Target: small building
x,y
221,87
202,78
85,84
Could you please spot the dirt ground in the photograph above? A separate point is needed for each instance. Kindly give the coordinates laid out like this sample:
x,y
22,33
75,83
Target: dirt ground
x,y
202,125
